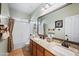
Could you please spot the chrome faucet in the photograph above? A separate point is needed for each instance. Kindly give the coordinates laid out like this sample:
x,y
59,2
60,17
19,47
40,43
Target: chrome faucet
x,y
65,43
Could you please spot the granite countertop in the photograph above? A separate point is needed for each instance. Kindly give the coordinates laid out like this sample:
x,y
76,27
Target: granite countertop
x,y
54,45
70,47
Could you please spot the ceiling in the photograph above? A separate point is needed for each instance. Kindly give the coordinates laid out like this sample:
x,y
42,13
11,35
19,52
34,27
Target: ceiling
x,y
27,8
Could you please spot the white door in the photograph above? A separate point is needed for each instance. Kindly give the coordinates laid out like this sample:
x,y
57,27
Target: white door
x,y
21,34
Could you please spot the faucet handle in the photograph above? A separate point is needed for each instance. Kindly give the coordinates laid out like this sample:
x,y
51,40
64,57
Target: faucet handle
x,y
66,35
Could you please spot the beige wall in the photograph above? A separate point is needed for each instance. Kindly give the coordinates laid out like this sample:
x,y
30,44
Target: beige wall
x,y
61,14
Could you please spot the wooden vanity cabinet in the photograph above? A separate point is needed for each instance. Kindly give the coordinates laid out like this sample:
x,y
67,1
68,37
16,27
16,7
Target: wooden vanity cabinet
x,y
39,53
31,47
40,50
37,50
34,49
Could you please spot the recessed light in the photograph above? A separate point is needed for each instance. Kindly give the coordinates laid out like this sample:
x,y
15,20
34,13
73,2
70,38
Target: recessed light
x,y
43,8
47,6
50,4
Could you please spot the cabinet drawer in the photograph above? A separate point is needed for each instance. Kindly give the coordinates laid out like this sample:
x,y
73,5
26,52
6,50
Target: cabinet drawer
x,y
41,49
34,50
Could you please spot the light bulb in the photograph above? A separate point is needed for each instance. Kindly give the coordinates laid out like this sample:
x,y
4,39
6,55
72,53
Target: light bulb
x,y
47,6
43,8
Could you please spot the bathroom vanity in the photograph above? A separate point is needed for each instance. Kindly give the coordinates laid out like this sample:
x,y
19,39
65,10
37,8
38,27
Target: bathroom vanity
x,y
40,47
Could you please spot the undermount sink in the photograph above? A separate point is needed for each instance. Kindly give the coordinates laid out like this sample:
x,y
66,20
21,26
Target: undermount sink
x,y
63,51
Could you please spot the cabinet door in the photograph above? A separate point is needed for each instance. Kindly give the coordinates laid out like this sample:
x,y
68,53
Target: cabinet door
x,y
40,50
31,47
47,53
34,50
39,53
